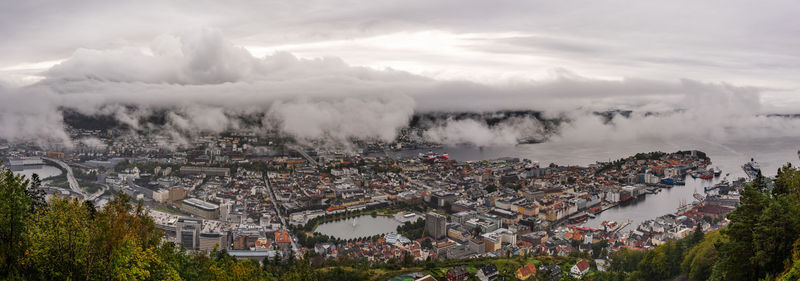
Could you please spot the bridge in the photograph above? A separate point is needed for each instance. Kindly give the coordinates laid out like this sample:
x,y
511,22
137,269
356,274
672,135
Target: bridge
x,y
304,154
99,192
73,183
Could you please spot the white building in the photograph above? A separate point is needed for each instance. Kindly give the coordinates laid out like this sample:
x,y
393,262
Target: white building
x,y
580,268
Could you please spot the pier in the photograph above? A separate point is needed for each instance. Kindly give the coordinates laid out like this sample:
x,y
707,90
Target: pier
x,y
621,226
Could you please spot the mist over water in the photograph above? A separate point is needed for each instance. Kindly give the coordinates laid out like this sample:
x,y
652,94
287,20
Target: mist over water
x,y
770,152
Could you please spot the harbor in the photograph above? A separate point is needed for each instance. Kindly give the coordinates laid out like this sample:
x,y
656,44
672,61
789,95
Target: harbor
x,y
656,201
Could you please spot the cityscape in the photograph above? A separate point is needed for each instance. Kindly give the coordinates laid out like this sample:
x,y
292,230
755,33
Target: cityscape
x,y
409,140
258,198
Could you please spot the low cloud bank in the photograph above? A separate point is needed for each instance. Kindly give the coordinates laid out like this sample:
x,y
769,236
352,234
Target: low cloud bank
x,y
207,85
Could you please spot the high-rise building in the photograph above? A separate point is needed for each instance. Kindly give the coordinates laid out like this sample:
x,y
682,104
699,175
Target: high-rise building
x,y
435,225
188,232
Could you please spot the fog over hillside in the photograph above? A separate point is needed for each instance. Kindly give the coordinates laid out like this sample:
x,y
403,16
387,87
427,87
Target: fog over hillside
x,y
198,82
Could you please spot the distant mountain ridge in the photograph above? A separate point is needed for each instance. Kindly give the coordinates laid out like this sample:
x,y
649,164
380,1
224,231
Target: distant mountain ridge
x,y
422,121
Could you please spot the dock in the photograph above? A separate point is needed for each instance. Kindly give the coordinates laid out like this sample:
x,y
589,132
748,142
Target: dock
x,y
621,226
606,206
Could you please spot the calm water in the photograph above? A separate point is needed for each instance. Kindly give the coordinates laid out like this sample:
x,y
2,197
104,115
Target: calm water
x,y
654,205
363,226
44,172
729,156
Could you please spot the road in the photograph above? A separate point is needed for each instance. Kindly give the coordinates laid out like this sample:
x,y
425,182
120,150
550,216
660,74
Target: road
x,y
98,193
73,183
295,249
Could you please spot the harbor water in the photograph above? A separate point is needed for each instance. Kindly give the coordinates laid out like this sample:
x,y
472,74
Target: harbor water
x,y
729,156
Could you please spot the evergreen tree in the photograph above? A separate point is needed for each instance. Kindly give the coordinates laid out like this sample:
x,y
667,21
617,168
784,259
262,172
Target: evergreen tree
x,y
737,251
774,234
17,203
787,181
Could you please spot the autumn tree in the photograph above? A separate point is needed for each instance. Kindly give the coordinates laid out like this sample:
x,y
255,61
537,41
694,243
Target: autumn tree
x,y
19,199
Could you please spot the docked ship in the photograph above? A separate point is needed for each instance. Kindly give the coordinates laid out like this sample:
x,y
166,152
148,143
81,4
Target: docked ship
x,y
672,181
751,168
579,218
433,157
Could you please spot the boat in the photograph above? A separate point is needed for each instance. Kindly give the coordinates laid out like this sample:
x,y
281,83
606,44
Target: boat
x,y
697,173
671,181
703,173
432,157
668,181
752,169
579,219
722,186
717,172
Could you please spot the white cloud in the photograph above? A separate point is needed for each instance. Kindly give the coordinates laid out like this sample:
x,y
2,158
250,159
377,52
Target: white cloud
x,y
207,84
476,132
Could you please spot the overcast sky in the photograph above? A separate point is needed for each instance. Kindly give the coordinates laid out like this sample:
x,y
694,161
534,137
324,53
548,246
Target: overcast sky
x,y
482,55
754,43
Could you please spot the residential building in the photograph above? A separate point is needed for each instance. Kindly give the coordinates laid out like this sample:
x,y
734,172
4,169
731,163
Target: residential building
x,y
525,272
580,268
487,273
458,273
